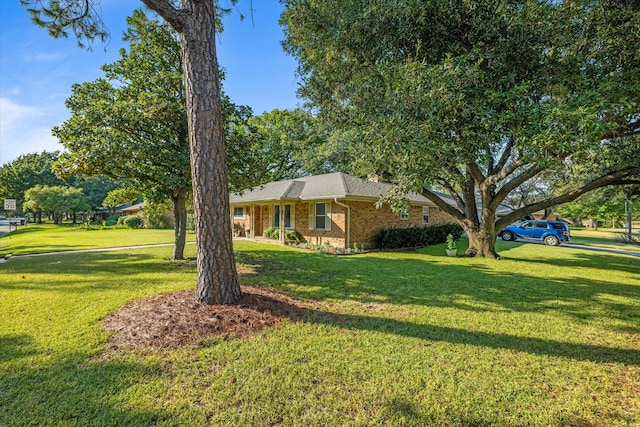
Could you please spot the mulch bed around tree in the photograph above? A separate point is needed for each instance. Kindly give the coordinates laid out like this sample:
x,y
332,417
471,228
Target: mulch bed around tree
x,y
174,319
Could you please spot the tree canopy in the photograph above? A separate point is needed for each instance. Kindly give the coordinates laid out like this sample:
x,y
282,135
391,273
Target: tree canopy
x,y
476,98
25,172
55,200
132,123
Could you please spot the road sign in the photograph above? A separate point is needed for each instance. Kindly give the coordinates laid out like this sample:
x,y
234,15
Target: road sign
x,y
9,204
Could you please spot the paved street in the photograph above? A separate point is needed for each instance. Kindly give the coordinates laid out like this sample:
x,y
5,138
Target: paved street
x,y
4,226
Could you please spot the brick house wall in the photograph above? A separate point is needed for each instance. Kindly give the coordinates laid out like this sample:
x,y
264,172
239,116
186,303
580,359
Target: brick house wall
x,y
335,236
366,220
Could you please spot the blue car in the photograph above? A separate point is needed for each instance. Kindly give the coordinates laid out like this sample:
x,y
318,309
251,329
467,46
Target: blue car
x,y
550,232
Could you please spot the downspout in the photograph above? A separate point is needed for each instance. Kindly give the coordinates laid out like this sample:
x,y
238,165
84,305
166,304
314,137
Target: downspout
x,y
347,221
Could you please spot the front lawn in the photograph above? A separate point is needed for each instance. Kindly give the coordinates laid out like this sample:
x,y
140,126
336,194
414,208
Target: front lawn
x,y
602,238
46,237
546,336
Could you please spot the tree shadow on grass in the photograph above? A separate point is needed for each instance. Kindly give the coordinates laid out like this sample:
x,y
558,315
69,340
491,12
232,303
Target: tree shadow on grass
x,y
413,279
15,346
75,391
582,258
536,346
78,272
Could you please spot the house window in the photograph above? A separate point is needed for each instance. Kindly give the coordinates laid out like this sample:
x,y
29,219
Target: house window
x,y
404,214
238,212
287,216
425,215
320,216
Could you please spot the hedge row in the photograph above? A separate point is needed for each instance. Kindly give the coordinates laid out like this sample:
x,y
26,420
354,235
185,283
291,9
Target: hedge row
x,y
415,237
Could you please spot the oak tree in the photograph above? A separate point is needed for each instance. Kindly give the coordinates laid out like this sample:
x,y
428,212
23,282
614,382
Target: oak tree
x,y
476,98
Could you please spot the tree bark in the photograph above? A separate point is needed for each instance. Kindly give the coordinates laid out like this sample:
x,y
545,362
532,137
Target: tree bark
x,y
217,281
180,226
482,241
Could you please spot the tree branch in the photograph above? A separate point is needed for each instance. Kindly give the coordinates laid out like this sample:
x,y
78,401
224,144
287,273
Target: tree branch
x,y
613,178
504,158
503,173
172,15
441,204
476,173
515,183
626,130
459,201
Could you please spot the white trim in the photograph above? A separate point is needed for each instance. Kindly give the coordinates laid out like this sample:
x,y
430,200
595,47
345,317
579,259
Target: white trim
x,y
282,208
241,216
428,211
313,216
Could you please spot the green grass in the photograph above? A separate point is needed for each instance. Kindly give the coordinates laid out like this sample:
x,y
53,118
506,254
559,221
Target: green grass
x,y
602,238
548,336
41,238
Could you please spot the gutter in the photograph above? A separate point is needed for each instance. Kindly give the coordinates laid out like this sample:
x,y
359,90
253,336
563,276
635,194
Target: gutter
x,y
347,224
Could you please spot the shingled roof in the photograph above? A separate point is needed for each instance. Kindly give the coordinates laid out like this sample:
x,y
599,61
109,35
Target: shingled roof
x,y
319,187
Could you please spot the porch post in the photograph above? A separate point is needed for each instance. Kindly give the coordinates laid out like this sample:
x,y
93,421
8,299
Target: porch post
x,y
252,225
281,222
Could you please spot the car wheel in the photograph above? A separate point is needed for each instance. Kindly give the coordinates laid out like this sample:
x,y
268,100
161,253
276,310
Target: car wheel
x,y
508,236
551,241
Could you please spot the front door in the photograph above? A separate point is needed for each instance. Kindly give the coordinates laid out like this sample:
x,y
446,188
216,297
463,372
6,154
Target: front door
x,y
257,221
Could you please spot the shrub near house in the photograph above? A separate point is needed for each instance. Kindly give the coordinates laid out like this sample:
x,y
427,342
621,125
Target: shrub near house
x,y
416,237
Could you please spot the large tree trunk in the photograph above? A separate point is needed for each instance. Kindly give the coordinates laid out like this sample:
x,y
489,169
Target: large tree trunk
x,y
180,225
482,235
217,281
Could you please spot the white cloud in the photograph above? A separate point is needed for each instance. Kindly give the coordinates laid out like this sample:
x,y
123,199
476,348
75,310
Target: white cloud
x,y
44,56
24,129
12,113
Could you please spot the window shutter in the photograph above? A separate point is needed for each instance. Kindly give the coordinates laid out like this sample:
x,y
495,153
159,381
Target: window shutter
x,y
271,216
312,216
327,223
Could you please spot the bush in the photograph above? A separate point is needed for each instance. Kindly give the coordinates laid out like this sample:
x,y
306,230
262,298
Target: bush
x,y
415,237
158,215
191,223
292,235
131,221
111,220
274,233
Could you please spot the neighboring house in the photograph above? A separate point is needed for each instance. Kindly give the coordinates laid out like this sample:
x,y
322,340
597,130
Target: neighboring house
x,y
333,208
550,216
103,213
132,209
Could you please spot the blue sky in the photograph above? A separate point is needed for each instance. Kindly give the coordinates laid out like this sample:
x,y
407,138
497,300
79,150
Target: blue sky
x,y
37,71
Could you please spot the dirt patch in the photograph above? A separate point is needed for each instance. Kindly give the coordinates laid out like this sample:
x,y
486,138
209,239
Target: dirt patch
x,y
174,319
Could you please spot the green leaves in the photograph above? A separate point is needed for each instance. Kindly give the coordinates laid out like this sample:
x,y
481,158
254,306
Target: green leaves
x,y
132,123
55,199
480,96
59,17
